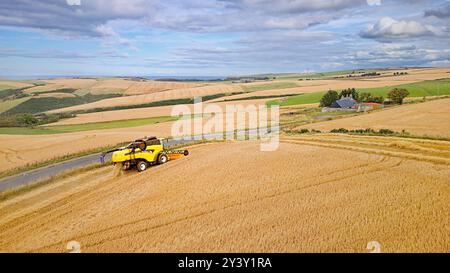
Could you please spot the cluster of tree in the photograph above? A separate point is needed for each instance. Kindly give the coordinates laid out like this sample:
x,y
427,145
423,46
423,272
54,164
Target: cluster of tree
x,y
328,99
368,97
30,120
397,95
400,73
370,74
332,96
364,131
251,78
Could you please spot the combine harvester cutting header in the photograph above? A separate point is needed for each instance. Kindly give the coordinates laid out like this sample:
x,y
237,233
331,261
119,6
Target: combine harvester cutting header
x,y
142,153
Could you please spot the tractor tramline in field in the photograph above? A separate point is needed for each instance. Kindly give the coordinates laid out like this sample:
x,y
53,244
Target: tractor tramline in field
x,y
142,153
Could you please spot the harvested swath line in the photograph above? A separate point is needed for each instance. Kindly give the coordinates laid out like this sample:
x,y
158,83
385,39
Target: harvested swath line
x,y
401,153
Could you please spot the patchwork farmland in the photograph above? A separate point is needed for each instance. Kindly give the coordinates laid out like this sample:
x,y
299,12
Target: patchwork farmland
x,y
384,175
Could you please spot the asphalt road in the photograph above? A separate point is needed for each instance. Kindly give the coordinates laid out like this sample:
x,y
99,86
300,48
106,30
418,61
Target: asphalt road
x,y
40,174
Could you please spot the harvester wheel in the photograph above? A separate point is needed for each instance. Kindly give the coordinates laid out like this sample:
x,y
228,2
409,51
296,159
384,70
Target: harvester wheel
x,y
162,159
141,166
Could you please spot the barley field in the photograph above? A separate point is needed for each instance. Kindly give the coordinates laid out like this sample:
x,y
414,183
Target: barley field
x,y
298,199
429,118
156,96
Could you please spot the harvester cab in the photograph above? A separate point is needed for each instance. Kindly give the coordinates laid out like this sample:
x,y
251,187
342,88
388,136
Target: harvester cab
x,y
143,153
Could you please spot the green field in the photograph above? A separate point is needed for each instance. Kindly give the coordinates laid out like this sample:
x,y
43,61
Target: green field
x,y
300,99
420,89
9,104
269,86
38,105
83,127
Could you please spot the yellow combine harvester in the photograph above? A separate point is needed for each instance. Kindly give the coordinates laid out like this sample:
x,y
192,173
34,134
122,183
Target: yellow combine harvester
x,y
142,153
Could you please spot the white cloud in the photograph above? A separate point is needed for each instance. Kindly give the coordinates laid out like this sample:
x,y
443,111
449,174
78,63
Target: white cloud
x,y
387,27
73,2
374,2
111,37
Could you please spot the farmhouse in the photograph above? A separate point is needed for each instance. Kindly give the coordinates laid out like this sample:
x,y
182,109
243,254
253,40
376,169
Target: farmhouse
x,y
345,103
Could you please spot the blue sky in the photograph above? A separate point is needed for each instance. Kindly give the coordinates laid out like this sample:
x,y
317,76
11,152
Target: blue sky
x,y
218,38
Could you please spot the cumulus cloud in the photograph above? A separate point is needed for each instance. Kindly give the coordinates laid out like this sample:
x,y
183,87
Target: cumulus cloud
x,y
390,28
233,35
374,2
202,16
59,54
398,55
73,2
59,17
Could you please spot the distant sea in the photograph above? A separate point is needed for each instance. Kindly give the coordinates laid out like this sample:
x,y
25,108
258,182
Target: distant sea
x,y
44,77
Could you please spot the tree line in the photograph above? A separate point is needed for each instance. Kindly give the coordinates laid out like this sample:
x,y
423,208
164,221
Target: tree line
x,y
396,95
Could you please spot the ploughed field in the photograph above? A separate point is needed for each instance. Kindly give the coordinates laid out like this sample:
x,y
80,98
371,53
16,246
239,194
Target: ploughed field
x,y
315,193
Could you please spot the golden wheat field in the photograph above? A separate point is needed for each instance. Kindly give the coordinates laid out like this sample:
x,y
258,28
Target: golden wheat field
x,y
305,197
156,96
106,85
55,84
7,84
429,118
149,112
149,87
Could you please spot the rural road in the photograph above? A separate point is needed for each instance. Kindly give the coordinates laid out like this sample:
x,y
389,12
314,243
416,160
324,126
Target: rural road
x,y
40,174
48,171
